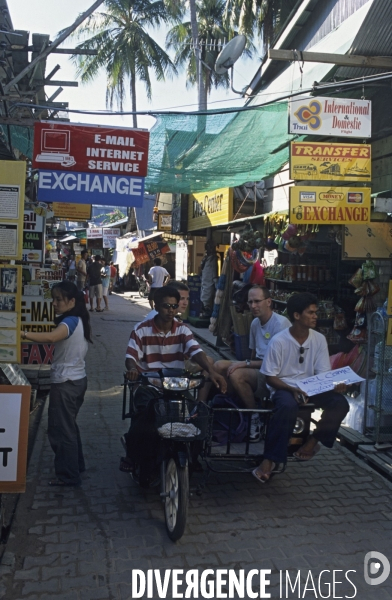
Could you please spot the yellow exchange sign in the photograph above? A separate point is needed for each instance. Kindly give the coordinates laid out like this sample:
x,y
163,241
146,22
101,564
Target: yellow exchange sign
x,y
329,205
330,162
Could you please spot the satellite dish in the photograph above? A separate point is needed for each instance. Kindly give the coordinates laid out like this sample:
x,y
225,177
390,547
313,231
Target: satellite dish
x,y
230,54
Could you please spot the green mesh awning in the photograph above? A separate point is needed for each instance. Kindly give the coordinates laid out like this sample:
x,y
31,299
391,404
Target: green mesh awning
x,y
194,153
21,138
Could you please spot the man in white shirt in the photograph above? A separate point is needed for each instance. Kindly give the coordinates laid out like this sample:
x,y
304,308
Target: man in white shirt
x,y
294,354
158,277
244,377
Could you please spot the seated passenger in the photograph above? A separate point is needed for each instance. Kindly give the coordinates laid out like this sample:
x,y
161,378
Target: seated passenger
x,y
158,343
244,377
294,354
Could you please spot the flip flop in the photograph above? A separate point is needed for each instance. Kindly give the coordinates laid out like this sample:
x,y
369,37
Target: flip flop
x,y
308,455
262,477
91,310
100,310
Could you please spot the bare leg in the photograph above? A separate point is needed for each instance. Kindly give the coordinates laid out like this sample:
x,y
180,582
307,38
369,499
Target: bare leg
x,y
242,381
105,299
205,390
98,304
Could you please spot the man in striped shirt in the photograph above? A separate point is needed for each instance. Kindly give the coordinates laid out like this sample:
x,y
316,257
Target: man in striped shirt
x,y
156,344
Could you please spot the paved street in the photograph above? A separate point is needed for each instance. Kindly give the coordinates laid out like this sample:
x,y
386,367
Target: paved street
x,y
82,544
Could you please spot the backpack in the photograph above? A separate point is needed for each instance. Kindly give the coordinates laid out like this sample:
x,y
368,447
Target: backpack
x,y
220,424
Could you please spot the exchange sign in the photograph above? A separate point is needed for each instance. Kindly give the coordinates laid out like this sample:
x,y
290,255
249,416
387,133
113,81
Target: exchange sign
x,y
331,162
329,205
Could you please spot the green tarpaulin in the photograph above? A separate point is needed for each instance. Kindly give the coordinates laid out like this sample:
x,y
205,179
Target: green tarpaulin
x,y
194,153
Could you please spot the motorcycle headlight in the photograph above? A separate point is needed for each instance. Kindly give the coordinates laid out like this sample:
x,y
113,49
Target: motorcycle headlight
x,y
194,383
155,381
176,383
299,426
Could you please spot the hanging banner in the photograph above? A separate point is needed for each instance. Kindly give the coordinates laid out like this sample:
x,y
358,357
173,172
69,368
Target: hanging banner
x,y
90,188
109,235
72,212
340,117
329,206
164,221
156,248
141,256
90,148
330,162
14,418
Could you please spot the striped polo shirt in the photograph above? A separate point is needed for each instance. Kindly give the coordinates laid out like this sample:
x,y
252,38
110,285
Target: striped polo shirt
x,y
152,349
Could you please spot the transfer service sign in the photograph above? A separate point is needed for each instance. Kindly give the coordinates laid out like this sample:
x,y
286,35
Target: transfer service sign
x,y
330,162
89,164
342,117
329,205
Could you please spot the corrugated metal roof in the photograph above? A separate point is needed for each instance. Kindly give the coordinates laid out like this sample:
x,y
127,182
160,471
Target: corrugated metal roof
x,y
373,39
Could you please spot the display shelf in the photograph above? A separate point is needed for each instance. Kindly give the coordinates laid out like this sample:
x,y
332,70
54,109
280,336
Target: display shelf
x,y
316,284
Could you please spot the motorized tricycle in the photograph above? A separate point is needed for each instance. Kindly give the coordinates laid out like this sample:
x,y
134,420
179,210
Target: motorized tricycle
x,y
185,434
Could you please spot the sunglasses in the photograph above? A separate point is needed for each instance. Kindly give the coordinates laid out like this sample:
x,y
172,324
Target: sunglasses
x,y
301,358
167,305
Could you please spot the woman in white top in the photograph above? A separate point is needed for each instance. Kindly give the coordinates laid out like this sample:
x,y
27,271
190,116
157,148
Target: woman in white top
x,y
68,380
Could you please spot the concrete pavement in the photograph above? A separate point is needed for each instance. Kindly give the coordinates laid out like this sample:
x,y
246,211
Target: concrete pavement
x,y
83,544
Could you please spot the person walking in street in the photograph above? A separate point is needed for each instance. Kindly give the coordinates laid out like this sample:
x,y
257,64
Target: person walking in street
x,y
158,277
71,267
105,276
68,380
294,354
81,270
113,275
95,283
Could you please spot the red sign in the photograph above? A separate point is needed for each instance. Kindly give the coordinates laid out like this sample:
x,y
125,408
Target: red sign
x,y
90,149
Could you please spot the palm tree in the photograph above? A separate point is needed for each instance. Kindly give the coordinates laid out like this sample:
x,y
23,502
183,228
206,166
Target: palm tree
x,y
210,31
265,16
125,50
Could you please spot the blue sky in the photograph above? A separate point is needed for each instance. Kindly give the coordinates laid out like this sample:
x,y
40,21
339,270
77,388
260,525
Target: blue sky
x,y
50,16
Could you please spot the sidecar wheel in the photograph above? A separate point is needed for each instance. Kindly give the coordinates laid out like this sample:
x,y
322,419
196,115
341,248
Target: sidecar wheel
x,y
176,501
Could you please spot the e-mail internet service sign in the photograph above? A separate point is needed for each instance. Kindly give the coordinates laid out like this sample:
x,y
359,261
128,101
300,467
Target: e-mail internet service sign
x,y
90,149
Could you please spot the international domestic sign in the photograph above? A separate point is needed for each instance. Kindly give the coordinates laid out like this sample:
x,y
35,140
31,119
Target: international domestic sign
x,y
109,235
341,117
72,212
90,149
206,209
331,162
90,188
329,205
33,237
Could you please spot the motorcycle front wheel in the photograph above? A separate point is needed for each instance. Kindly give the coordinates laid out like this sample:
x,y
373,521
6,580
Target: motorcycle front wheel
x,y
176,499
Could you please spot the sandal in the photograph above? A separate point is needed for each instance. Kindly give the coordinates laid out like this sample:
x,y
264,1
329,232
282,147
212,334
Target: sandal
x,y
303,455
261,476
126,465
100,310
91,310
60,483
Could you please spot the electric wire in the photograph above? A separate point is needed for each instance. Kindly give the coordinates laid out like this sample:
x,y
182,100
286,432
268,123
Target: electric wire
x,y
349,83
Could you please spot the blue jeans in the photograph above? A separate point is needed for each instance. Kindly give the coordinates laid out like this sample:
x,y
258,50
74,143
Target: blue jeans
x,y
281,424
65,401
